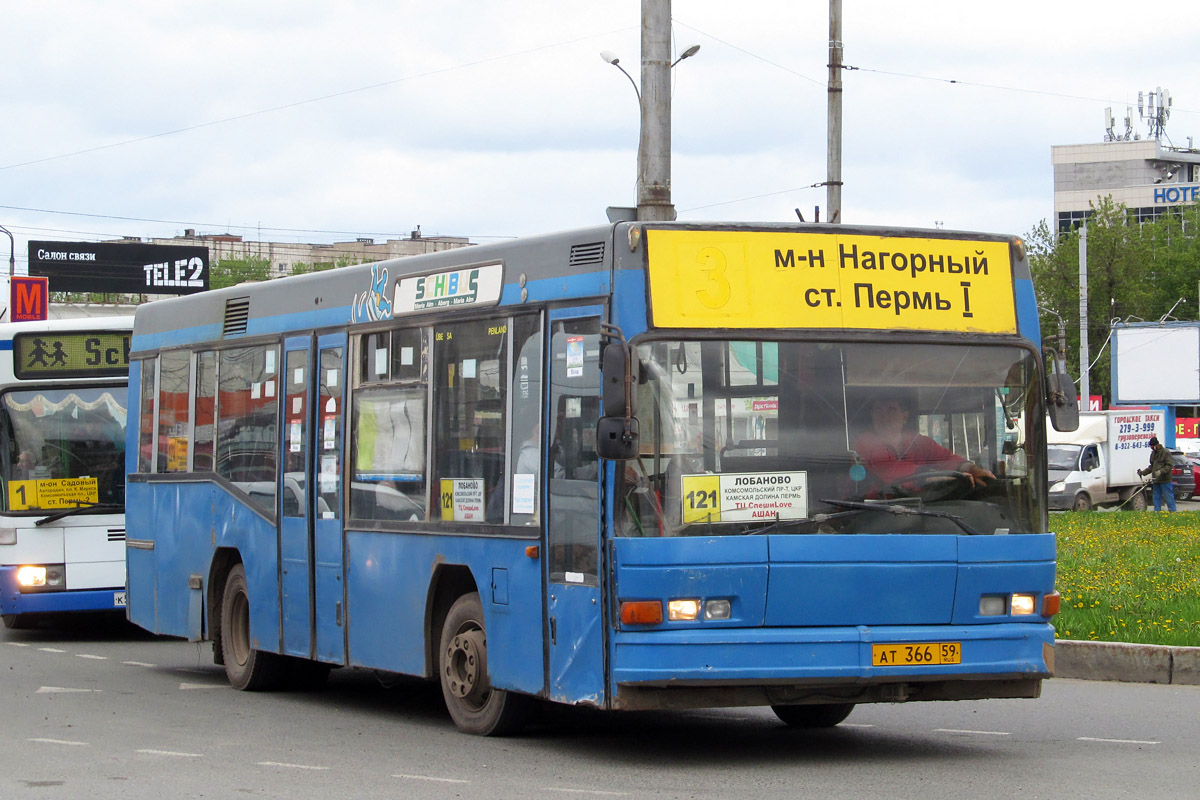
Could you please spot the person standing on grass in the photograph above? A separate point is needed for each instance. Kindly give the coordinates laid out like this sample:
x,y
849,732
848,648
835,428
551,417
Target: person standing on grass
x,y
1160,472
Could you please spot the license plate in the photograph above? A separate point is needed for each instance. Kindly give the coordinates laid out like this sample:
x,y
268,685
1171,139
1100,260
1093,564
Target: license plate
x,y
119,600
918,654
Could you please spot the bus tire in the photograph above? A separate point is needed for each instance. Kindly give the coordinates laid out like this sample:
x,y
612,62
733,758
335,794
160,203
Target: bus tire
x,y
813,716
248,669
16,622
473,704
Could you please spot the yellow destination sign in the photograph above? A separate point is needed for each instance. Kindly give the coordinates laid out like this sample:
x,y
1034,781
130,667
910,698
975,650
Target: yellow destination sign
x,y
763,279
52,493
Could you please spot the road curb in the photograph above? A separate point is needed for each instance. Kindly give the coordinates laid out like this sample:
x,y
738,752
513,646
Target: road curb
x,y
1133,663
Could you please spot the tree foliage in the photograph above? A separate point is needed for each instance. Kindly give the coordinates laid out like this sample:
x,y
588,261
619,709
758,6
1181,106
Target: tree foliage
x,y
232,271
1137,271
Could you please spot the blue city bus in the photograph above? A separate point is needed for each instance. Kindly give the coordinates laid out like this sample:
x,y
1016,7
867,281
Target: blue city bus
x,y
633,466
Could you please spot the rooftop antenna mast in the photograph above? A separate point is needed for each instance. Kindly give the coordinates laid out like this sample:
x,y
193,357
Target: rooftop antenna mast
x,y
1157,111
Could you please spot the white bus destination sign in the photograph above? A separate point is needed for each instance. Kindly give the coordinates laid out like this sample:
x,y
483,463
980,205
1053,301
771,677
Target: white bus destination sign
x,y
744,496
472,286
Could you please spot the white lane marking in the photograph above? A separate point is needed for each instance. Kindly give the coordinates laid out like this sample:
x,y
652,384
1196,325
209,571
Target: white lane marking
x,y
89,655
1115,741
17,644
58,741
289,766
978,733
430,778
584,791
51,650
855,725
203,686
170,753
138,664
62,690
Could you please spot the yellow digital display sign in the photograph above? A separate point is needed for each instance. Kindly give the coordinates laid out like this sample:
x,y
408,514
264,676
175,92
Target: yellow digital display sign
x,y
70,354
766,279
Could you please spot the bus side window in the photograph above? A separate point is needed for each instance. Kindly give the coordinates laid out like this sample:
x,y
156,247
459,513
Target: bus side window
x,y
174,427
206,410
146,449
248,431
388,436
470,396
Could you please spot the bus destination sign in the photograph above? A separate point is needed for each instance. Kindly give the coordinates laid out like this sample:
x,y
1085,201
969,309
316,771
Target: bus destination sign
x,y
766,279
70,354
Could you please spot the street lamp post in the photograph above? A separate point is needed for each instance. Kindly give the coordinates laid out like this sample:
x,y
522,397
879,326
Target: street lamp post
x,y
12,253
654,101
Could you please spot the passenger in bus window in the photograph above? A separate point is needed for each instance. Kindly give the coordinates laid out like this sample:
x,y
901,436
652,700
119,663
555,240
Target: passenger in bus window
x,y
894,453
23,469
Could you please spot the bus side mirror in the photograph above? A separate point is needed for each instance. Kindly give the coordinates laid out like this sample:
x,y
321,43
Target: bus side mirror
x,y
618,372
1061,399
617,431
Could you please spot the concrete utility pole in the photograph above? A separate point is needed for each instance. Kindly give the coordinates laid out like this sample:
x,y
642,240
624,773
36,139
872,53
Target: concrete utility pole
x,y
1084,390
654,147
833,184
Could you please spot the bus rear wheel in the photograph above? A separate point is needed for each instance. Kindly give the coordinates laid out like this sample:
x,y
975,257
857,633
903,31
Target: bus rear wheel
x,y
813,716
473,704
248,669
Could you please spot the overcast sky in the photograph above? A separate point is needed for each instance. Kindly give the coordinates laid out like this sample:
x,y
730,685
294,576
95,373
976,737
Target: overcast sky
x,y
318,121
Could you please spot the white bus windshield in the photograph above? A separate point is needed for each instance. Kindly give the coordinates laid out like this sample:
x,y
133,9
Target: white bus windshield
x,y
61,448
824,437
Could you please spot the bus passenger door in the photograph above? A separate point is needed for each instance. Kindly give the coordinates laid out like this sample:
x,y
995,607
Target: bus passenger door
x,y
574,608
326,499
310,528
295,523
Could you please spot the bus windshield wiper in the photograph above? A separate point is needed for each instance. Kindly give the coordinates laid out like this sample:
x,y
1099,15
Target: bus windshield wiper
x,y
57,515
895,508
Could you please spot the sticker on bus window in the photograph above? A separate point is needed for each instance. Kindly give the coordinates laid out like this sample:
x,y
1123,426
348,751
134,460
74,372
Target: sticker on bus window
x,y
52,493
744,497
294,437
462,499
574,356
524,493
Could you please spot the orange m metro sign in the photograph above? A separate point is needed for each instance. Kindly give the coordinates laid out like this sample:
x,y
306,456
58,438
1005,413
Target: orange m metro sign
x,y
29,298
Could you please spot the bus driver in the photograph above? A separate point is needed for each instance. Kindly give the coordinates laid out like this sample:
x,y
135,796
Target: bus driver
x,y
894,453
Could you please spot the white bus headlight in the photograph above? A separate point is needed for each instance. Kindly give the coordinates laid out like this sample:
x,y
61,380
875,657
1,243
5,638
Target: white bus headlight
x,y
42,577
1023,605
31,577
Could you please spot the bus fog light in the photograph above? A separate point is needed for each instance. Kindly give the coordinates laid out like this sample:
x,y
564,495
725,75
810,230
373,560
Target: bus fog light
x,y
683,609
31,576
56,575
8,535
1024,605
993,605
717,609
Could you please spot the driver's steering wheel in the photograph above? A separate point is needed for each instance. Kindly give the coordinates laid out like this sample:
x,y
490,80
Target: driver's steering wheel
x,y
942,484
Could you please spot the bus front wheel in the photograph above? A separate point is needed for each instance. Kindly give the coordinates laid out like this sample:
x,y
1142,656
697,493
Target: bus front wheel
x,y
814,716
473,704
247,668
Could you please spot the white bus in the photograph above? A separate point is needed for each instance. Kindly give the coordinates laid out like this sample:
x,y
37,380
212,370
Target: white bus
x,y
63,411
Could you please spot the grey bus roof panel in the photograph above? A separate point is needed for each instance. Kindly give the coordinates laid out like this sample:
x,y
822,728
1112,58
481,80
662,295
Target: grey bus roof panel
x,y
552,267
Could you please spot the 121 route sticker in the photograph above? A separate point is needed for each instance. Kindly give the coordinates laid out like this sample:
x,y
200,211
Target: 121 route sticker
x,y
744,497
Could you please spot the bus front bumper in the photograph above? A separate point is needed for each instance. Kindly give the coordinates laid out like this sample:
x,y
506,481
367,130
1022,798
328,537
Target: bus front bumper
x,y
15,601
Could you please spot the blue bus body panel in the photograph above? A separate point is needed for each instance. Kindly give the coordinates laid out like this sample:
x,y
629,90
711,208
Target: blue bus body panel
x,y
781,655
1027,313
193,519
810,607
861,580
389,575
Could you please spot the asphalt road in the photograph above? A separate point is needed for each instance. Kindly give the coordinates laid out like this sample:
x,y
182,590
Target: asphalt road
x,y
114,713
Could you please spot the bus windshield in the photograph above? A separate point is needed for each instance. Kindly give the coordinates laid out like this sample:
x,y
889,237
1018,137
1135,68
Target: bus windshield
x,y
743,437
62,447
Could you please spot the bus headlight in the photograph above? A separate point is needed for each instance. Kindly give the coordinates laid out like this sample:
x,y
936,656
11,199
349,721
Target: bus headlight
x,y
42,577
1024,605
683,609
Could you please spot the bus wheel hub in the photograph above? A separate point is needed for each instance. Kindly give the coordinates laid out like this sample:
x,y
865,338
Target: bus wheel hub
x,y
465,665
